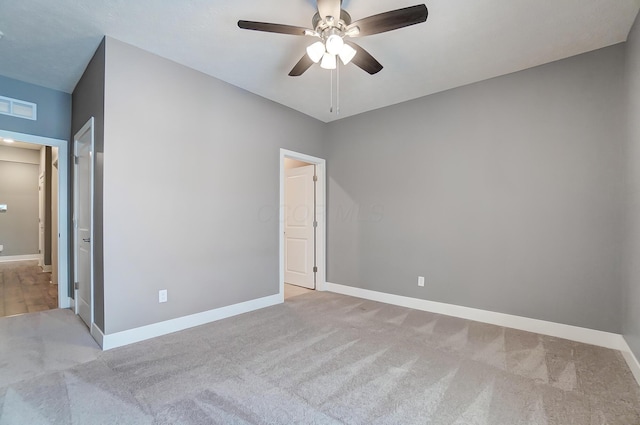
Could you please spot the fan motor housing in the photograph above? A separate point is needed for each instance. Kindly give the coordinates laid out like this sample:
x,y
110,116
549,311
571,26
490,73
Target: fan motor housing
x,y
317,21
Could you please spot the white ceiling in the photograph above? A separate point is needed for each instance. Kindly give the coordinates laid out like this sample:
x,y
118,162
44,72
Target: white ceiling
x,y
49,43
19,145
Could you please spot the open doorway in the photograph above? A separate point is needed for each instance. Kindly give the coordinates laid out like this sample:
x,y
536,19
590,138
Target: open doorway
x,y
34,215
302,223
27,284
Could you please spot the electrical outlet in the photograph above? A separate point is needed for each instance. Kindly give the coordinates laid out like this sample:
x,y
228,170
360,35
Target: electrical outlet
x,y
162,296
420,280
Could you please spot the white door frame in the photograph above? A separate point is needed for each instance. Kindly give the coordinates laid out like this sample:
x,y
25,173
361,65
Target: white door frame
x,y
41,213
88,127
64,301
321,215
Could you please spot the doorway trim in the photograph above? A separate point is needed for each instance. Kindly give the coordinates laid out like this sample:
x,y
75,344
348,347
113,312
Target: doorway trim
x,y
89,127
321,215
64,301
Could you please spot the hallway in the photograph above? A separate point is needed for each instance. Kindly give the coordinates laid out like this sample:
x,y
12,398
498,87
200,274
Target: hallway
x,y
25,288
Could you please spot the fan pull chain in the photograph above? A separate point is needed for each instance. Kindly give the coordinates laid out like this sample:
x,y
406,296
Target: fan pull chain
x,y
337,87
331,92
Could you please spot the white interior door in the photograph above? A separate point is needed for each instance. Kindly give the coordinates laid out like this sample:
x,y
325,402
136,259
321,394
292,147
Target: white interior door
x,y
299,230
83,169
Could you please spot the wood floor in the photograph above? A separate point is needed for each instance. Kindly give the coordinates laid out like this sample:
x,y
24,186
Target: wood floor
x,y
25,288
293,291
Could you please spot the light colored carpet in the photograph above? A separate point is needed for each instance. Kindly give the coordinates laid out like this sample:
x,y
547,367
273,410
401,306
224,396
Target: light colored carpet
x,y
322,358
39,343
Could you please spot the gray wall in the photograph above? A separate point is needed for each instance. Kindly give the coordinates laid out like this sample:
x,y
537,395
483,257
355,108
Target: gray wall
x,y
54,110
631,328
507,195
19,225
88,101
191,187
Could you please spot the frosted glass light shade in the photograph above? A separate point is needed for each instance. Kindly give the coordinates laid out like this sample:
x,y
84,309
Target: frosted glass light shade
x,y
315,51
328,61
347,53
334,44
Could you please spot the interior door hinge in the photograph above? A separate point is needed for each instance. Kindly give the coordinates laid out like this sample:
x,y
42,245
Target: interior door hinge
x,y
76,285
315,224
76,159
315,269
315,178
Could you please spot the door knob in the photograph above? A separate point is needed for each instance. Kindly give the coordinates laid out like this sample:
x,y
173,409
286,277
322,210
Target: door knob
x,y
86,240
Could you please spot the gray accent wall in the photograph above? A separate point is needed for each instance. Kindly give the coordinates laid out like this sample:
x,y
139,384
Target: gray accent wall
x,y
54,110
88,101
19,225
507,195
631,327
191,189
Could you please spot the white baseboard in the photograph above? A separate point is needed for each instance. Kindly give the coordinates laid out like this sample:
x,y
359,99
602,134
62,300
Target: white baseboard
x,y
559,330
97,334
632,361
118,339
12,258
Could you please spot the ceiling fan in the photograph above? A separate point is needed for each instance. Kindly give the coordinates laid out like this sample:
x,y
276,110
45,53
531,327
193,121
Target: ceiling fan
x,y
333,27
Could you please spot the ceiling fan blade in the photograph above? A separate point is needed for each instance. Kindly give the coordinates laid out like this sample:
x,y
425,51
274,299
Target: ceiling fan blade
x,y
268,27
329,8
302,65
364,60
390,21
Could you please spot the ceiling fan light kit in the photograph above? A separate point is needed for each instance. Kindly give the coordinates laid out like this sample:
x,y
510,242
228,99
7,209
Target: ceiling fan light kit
x,y
334,43
328,61
347,53
332,25
316,51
